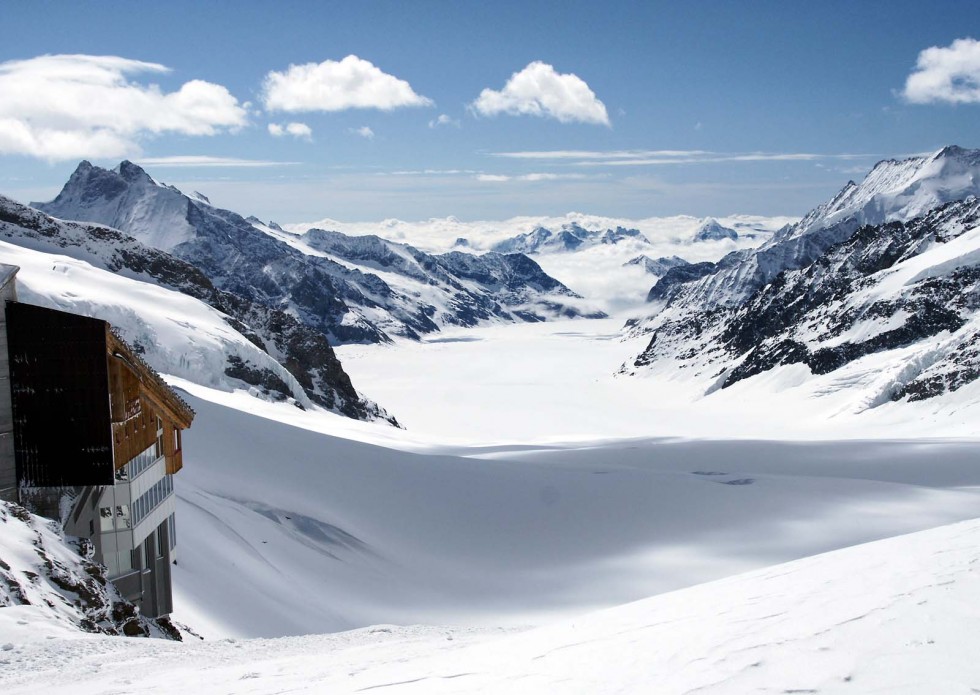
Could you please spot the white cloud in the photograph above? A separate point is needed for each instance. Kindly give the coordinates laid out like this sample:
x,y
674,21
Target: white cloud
x,y
60,107
598,154
500,178
364,131
551,177
633,158
297,130
538,90
950,74
193,161
443,119
428,172
352,83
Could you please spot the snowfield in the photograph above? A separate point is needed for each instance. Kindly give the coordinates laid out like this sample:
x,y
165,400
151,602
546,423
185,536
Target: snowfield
x,y
315,533
558,382
897,616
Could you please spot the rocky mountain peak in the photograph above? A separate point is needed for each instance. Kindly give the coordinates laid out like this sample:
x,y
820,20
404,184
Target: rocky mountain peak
x,y
711,229
132,173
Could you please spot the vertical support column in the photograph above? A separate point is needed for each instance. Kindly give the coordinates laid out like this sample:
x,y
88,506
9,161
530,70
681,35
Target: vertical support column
x,y
8,464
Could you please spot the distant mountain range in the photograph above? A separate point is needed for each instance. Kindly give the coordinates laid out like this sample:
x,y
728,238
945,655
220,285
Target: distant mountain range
x,y
330,282
571,237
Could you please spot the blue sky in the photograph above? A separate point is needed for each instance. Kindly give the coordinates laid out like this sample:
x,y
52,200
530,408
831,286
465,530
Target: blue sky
x,y
644,109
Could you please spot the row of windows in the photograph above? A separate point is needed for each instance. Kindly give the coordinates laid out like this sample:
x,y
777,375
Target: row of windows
x,y
122,517
149,500
141,461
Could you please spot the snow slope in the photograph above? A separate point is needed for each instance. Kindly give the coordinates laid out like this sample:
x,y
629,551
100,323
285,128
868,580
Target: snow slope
x,y
897,616
178,335
322,533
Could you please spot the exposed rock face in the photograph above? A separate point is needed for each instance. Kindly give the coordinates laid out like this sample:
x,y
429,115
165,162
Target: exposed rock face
x,y
473,288
40,567
892,191
911,285
657,266
301,349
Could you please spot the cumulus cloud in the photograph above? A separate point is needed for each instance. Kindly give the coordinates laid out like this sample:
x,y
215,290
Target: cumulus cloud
x,y
948,74
351,83
364,131
297,130
443,119
60,107
538,90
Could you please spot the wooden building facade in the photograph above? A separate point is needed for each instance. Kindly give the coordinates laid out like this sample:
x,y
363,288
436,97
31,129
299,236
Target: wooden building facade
x,y
96,440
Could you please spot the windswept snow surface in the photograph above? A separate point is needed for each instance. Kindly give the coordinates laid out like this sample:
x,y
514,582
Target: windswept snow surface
x,y
897,616
557,382
317,524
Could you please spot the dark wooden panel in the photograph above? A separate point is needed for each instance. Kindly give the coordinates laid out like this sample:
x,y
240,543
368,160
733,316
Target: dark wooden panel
x,y
60,393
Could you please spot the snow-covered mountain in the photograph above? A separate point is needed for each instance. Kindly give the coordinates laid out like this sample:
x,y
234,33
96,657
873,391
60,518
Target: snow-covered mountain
x,y
656,266
362,301
437,235
896,299
892,191
253,344
712,230
467,289
570,237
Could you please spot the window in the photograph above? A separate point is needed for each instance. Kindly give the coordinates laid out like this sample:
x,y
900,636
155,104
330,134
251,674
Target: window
x,y
123,520
105,519
125,561
141,462
158,449
172,528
